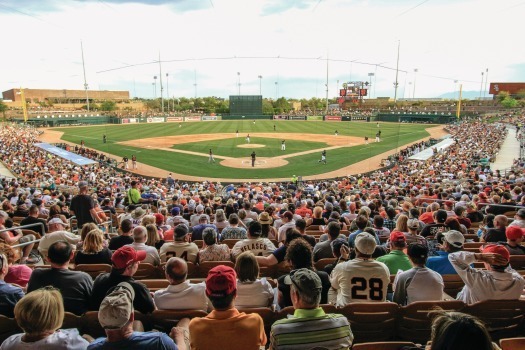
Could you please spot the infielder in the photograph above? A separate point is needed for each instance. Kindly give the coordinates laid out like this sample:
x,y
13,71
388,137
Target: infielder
x,y
283,145
210,159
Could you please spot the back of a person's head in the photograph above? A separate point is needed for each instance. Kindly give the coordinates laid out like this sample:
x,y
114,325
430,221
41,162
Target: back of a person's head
x,y
209,236
378,221
40,311
456,330
299,254
246,267
126,225
300,224
59,252
291,235
255,229
334,229
361,222
390,212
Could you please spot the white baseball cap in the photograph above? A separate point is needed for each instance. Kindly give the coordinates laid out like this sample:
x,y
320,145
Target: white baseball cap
x,y
365,243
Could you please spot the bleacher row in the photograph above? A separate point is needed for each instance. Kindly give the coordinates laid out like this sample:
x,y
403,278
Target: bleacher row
x,y
370,322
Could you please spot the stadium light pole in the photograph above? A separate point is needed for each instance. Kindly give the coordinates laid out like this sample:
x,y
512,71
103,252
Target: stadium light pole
x,y
486,80
155,83
276,90
168,91
481,88
260,84
153,86
414,93
455,89
239,82
370,75
396,84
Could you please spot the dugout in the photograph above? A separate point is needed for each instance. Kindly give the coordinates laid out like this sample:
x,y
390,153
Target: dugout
x,y
66,120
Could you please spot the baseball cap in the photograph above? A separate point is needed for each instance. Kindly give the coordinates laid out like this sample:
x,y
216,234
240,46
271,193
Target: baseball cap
x,y
304,279
221,281
55,221
498,249
203,217
175,211
365,243
338,243
416,250
181,230
454,238
441,215
413,223
159,218
117,307
127,255
449,203
199,208
397,236
514,232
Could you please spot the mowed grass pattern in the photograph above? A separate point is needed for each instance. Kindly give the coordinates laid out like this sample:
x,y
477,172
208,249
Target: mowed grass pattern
x,y
393,135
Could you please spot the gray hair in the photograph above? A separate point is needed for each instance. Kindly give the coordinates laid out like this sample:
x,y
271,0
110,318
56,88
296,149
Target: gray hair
x,y
311,297
139,233
209,236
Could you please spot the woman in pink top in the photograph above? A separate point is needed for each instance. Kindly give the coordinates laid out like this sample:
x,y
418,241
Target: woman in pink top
x,y
17,274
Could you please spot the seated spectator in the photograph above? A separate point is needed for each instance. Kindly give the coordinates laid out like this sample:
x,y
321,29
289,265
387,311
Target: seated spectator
x,y
496,234
34,219
361,222
488,222
380,230
340,251
514,238
252,291
452,223
140,236
361,279
75,286
220,220
461,215
310,326
221,328
268,231
299,255
181,247
13,237
180,294
40,315
438,226
18,274
401,223
125,236
396,260
317,217
9,294
519,219
197,229
498,282
233,231
279,254
56,213
452,242
211,250
125,263
116,316
473,214
287,222
412,236
456,330
153,237
254,242
323,250
93,250
419,283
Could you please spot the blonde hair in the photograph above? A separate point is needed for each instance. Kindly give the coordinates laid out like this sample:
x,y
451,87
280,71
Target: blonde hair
x,y
317,212
40,311
87,227
153,235
402,223
94,242
147,220
247,267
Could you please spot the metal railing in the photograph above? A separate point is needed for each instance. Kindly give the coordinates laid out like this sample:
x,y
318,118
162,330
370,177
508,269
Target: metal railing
x,y
24,227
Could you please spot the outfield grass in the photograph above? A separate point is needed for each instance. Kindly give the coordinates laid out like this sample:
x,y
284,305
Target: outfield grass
x,y
393,136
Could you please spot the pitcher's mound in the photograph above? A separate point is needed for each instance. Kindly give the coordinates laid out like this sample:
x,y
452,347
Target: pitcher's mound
x,y
261,162
251,145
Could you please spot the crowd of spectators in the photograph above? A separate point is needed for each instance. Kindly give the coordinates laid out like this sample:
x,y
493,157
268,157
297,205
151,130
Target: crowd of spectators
x,y
411,220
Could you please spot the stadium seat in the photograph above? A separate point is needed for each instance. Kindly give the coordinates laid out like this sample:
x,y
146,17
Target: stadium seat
x,y
503,318
206,266
512,343
199,243
71,321
93,269
267,271
146,271
8,327
453,284
155,284
414,320
321,263
371,321
383,345
230,242
266,313
517,262
164,320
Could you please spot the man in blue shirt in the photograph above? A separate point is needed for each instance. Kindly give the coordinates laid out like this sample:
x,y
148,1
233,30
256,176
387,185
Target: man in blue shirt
x,y
116,316
9,294
452,242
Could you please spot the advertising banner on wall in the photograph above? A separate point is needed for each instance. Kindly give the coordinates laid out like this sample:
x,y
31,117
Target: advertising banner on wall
x,y
155,120
297,117
192,119
314,117
332,118
209,117
280,117
174,119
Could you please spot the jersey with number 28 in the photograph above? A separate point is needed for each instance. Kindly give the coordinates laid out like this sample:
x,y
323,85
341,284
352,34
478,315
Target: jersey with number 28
x,y
360,280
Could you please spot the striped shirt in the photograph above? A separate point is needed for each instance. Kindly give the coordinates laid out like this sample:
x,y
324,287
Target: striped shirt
x,y
309,328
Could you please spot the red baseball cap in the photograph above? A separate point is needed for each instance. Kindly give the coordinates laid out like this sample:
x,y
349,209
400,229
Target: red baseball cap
x,y
498,249
159,218
514,232
127,255
397,236
221,281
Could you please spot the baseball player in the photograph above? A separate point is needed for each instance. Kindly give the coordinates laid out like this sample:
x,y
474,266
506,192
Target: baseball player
x,y
248,138
323,157
210,158
283,145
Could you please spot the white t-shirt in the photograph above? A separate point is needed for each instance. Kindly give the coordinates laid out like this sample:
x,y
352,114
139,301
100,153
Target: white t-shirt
x,y
152,255
63,339
417,284
184,296
360,280
254,294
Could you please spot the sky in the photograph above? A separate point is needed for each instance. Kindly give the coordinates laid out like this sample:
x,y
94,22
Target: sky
x,y
300,48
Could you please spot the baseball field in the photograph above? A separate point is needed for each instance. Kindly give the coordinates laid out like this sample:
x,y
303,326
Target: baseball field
x,y
183,148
